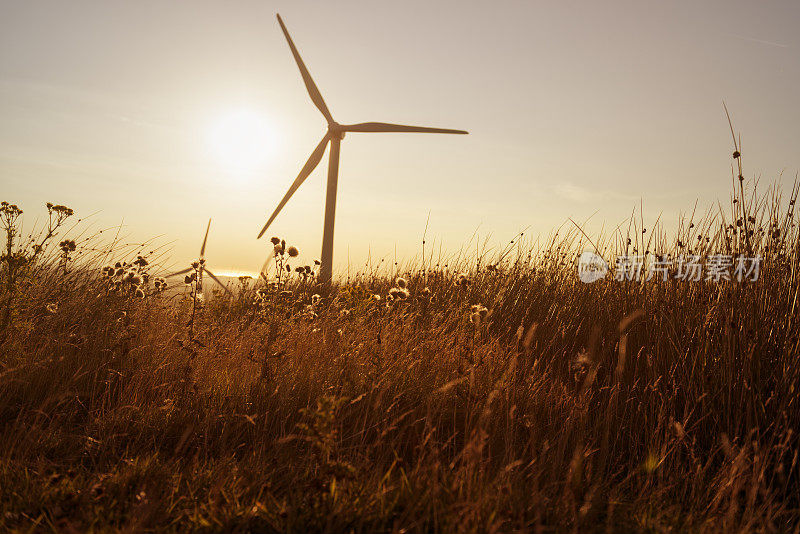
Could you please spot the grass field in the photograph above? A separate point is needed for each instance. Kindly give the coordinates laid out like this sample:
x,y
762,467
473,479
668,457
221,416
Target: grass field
x,y
485,392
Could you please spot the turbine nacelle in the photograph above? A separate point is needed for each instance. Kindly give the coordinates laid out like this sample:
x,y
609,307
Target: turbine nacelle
x,y
336,130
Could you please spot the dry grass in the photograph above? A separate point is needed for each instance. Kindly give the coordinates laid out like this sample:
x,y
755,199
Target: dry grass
x,y
661,405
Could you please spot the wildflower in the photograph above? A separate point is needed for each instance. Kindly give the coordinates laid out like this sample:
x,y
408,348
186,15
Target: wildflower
x,y
136,280
119,272
462,280
195,265
402,294
393,292
189,278
277,250
317,262
67,246
140,261
108,271
52,307
308,269
300,270
293,252
61,210
478,313
401,283
736,154
275,240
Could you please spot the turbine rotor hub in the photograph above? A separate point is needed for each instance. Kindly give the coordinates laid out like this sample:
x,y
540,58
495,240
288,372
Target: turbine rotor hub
x,y
335,130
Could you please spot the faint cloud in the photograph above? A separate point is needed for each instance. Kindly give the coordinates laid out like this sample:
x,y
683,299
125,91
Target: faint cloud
x,y
575,193
759,41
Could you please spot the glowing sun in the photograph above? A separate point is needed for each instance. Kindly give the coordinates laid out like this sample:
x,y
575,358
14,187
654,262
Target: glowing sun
x,y
241,140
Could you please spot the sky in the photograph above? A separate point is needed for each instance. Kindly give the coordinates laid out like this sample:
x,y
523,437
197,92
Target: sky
x,y
575,109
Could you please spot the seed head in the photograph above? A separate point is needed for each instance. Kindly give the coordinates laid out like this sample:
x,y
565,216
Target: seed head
x,y
67,246
293,252
462,280
401,283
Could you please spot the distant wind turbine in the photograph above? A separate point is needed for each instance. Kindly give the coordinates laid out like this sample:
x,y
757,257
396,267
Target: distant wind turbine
x,y
333,136
202,267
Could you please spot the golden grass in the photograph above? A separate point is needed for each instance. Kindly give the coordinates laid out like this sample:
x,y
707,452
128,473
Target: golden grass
x,y
660,405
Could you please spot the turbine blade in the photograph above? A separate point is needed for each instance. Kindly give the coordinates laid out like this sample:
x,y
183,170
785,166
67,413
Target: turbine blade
x,y
223,286
203,248
185,271
310,165
313,91
386,127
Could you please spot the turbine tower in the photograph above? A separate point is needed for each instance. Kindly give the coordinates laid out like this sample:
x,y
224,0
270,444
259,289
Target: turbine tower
x,y
334,136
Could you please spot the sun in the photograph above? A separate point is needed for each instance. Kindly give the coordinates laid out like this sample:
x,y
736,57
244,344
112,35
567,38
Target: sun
x,y
241,140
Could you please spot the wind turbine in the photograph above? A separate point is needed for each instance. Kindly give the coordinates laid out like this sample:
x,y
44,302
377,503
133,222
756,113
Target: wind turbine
x,y
334,136
201,268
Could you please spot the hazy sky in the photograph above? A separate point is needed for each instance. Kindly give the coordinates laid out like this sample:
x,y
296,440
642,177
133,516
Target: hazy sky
x,y
572,108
